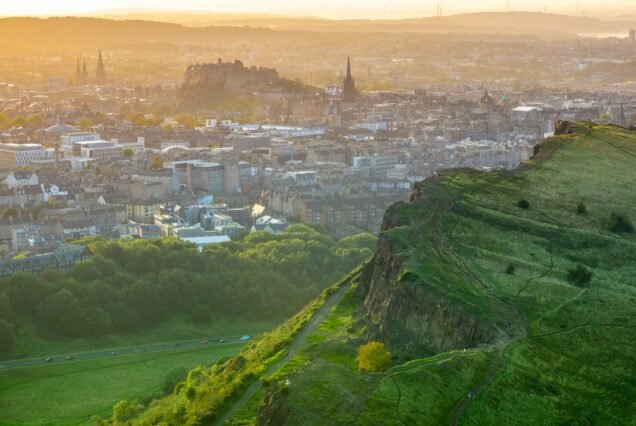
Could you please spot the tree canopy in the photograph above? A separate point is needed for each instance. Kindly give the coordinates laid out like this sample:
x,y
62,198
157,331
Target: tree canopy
x,y
132,285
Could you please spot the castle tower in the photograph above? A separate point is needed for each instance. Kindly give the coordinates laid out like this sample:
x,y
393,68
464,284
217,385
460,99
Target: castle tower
x,y
101,72
349,87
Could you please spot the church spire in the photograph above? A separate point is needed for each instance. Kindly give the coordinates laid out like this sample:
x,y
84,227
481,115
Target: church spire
x,y
101,72
84,72
349,87
78,73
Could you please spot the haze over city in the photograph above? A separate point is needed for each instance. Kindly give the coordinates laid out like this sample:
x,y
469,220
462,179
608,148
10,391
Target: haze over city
x,y
328,8
309,213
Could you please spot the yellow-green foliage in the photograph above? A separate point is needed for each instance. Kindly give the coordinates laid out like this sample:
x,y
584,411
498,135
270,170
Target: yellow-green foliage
x,y
208,390
373,357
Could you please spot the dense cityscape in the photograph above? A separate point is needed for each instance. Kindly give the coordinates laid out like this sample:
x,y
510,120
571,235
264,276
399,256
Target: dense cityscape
x,y
83,155
216,218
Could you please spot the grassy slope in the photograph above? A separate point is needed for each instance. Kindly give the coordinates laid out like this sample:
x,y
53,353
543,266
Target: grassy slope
x,y
217,388
575,361
72,393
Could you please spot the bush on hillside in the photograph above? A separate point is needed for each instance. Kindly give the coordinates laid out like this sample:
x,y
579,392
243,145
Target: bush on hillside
x,y
174,376
510,269
620,224
126,410
373,357
523,204
581,208
580,276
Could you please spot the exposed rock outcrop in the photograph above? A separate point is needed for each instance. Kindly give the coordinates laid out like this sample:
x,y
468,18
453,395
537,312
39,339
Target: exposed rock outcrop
x,y
410,315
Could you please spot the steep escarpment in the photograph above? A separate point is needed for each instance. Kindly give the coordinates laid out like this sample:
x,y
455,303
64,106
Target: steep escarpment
x,y
418,294
504,298
410,315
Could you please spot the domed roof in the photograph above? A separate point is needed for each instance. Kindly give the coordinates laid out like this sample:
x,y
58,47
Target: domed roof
x,y
61,128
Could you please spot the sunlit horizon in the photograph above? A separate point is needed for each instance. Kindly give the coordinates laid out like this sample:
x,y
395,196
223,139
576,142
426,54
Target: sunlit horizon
x,y
373,9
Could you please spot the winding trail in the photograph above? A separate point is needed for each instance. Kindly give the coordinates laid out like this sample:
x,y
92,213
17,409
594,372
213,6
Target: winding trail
x,y
299,342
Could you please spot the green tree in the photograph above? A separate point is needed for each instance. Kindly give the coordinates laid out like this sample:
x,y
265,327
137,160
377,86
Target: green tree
x,y
373,357
156,162
186,120
85,123
10,212
61,314
35,122
19,121
7,335
6,311
128,152
126,410
201,314
174,376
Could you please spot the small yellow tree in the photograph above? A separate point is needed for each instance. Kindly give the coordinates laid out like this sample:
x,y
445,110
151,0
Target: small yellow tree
x,y
156,162
373,357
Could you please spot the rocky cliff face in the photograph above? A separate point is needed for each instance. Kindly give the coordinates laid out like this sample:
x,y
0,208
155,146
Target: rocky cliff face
x,y
409,314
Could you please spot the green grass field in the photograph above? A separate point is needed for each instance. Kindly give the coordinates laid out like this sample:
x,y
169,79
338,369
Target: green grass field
x,y
71,393
32,345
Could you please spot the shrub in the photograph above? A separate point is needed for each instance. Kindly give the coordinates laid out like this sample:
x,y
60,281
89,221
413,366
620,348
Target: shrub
x,y
579,276
620,224
373,357
510,270
581,208
125,410
191,392
173,377
523,204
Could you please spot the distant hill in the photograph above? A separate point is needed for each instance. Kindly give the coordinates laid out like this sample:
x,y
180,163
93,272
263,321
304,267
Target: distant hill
x,y
503,298
485,22
73,33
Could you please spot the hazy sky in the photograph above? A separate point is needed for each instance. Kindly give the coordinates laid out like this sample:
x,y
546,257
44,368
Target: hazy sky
x,y
325,8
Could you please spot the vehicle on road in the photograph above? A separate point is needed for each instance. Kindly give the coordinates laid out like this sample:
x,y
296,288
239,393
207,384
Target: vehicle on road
x,y
113,353
70,357
48,359
218,340
204,342
176,345
245,338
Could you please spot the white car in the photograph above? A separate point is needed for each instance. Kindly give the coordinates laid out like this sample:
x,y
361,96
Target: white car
x,y
245,338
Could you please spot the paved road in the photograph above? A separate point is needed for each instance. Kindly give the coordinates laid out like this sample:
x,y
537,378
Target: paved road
x,y
180,345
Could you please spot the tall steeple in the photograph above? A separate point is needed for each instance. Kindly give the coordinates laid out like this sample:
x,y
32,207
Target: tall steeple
x,y
78,73
349,87
101,72
84,73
